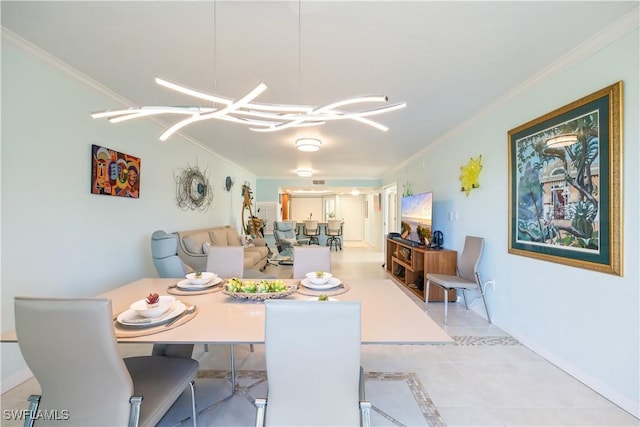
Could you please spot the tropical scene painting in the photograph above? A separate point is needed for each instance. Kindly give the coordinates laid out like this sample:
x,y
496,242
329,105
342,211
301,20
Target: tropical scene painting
x,y
558,185
565,184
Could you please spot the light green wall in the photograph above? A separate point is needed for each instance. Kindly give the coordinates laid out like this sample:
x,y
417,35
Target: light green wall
x,y
587,323
57,238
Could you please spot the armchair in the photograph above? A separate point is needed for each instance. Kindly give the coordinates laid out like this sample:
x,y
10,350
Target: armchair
x,y
284,232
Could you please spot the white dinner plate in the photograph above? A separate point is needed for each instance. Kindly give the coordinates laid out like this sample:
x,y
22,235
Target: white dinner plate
x,y
187,285
316,299
131,318
332,283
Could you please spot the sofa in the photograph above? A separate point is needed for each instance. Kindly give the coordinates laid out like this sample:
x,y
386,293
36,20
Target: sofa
x,y
193,247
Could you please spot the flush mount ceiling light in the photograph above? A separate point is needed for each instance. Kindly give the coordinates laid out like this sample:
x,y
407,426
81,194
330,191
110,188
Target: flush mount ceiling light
x,y
260,117
308,144
304,172
562,140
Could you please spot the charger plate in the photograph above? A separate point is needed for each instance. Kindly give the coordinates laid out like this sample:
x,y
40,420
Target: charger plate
x,y
175,290
123,331
340,289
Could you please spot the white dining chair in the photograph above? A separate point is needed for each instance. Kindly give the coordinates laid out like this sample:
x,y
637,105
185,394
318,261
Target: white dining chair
x,y
70,346
226,261
310,258
319,380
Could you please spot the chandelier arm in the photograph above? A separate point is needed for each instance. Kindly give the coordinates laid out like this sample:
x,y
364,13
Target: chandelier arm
x,y
281,108
279,127
149,111
195,93
182,123
239,104
350,101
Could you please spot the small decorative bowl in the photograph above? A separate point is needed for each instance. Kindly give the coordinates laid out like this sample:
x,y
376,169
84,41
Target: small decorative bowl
x,y
319,280
205,277
142,308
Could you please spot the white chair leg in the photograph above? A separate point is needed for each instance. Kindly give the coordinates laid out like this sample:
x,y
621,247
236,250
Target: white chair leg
x,y
365,414
134,410
446,304
464,297
261,405
34,402
426,295
192,386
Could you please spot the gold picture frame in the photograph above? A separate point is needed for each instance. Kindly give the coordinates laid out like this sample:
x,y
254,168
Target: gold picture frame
x,y
565,184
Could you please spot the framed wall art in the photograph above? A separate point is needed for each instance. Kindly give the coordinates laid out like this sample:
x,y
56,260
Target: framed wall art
x,y
565,188
114,173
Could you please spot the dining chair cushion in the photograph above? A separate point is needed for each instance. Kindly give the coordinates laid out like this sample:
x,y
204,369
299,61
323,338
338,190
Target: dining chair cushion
x,y
159,392
310,258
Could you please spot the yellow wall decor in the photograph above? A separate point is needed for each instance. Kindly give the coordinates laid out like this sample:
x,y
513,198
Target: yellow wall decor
x,y
469,174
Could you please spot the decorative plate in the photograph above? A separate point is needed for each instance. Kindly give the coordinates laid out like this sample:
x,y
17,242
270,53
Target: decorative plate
x,y
332,283
262,296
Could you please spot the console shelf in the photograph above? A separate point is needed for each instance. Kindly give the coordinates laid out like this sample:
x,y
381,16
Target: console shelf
x,y
409,266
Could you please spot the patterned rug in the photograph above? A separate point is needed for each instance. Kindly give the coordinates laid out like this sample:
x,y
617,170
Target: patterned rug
x,y
384,391
397,398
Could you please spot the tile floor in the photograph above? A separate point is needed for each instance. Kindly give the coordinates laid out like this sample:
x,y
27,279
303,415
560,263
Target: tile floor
x,y
486,378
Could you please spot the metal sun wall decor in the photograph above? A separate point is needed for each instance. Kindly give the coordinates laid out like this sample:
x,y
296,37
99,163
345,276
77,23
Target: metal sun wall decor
x,y
193,190
469,175
114,173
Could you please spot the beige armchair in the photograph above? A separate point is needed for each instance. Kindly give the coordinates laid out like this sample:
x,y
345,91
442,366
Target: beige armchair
x,y
70,346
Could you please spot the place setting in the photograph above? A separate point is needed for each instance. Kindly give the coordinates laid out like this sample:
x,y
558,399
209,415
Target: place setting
x,y
196,283
321,283
153,314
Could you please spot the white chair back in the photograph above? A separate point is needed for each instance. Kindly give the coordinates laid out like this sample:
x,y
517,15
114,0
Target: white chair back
x,y
226,261
470,258
70,346
311,227
310,258
312,352
334,227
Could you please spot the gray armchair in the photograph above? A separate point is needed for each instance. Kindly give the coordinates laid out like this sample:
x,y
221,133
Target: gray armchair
x,y
284,233
164,251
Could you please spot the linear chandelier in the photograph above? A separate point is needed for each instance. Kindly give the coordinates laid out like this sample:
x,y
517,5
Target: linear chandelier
x,y
260,117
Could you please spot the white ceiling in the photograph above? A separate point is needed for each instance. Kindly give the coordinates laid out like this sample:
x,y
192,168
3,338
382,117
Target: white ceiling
x,y
447,60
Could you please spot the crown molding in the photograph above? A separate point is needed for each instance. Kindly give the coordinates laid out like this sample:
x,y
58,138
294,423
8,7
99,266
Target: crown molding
x,y
595,43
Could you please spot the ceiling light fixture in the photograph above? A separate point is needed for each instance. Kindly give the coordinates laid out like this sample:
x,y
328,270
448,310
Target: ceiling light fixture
x,y
308,144
305,173
562,140
260,117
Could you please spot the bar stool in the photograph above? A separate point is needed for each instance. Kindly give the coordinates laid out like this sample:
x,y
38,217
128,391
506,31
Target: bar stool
x,y
334,231
312,231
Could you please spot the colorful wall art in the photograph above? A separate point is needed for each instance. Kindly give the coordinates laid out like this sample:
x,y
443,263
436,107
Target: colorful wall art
x,y
114,173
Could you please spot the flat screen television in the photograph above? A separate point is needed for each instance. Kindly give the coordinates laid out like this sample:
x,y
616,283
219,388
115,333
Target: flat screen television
x,y
416,217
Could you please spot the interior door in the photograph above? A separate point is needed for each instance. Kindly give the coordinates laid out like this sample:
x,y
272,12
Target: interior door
x,y
352,211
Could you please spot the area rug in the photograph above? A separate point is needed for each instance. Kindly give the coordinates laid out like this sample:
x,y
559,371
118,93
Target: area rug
x,y
397,398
